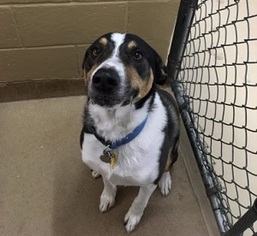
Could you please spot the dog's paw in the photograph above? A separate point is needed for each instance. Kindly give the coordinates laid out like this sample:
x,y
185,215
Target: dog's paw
x,y
165,184
95,175
107,201
131,219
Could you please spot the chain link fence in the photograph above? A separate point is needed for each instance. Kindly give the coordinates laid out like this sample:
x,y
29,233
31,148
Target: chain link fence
x,y
213,67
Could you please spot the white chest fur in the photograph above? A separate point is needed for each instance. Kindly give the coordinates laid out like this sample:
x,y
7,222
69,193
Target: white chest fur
x,y
138,161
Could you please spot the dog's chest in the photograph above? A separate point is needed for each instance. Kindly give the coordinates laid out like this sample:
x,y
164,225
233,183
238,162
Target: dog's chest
x,y
134,168
136,163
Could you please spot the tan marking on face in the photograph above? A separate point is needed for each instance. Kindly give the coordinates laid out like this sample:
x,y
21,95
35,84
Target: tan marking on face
x,y
143,86
103,41
132,44
88,74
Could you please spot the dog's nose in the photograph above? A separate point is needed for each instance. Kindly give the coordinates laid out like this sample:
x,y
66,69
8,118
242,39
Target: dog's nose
x,y
105,79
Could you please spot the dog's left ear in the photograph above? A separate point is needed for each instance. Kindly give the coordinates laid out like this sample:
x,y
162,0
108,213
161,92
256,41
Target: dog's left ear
x,y
85,65
159,70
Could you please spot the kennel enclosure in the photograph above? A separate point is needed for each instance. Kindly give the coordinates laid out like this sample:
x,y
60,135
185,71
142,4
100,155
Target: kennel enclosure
x,y
212,65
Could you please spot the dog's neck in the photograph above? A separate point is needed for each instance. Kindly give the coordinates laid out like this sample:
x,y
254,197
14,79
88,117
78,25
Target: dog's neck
x,y
115,123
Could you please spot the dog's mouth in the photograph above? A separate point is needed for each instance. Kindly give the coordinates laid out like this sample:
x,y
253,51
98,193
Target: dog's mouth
x,y
120,97
105,100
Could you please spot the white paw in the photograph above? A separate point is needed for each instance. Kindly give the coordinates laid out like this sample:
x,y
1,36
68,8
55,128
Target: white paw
x,y
165,184
131,219
95,175
107,200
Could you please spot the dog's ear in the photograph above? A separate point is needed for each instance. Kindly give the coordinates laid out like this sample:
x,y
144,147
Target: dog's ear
x,y
159,69
84,64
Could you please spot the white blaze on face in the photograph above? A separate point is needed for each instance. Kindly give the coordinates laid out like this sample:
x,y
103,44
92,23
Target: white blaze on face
x,y
113,61
118,39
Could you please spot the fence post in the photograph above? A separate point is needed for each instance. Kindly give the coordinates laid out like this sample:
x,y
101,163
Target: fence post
x,y
184,20
182,29
244,222
197,14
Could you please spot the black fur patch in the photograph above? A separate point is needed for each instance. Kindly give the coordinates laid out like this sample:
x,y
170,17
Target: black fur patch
x,y
104,52
150,59
170,132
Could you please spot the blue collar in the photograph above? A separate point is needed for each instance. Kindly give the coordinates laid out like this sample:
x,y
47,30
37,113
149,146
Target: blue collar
x,y
125,140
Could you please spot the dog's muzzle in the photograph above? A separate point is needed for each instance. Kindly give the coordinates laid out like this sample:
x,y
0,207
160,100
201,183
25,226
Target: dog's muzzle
x,y
106,80
105,87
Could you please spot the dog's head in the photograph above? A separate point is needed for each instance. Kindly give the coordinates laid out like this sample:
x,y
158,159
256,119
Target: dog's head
x,y
120,69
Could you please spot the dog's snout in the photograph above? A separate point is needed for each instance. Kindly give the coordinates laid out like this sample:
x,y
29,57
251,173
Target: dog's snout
x,y
105,79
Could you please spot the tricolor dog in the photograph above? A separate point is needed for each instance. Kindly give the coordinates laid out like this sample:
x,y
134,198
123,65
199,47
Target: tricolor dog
x,y
130,127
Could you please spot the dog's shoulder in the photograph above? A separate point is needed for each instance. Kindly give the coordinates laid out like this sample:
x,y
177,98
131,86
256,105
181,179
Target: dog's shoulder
x,y
170,105
167,99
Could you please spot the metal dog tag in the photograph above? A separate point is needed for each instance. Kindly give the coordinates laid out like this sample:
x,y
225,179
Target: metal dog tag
x,y
105,159
108,156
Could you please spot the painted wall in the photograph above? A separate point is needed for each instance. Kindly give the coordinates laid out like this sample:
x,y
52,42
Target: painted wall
x,y
44,40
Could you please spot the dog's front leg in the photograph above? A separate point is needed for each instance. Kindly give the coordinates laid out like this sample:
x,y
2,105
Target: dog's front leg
x,y
136,210
107,199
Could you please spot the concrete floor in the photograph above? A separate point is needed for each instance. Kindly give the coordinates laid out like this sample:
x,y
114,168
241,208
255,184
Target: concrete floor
x,y
46,190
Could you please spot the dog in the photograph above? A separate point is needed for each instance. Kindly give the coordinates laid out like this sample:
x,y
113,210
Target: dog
x,y
130,128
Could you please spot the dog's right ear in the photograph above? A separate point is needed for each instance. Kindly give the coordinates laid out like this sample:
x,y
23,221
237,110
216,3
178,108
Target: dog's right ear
x,y
85,64
160,70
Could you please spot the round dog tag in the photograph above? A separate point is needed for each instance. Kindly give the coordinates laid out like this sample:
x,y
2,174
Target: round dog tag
x,y
105,158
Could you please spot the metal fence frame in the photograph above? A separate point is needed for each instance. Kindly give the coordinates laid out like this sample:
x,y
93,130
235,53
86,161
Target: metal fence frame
x,y
182,29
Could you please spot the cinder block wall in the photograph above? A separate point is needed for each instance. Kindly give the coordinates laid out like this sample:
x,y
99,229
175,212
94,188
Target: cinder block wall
x,y
42,42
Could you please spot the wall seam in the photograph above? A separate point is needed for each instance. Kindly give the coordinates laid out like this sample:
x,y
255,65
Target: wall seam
x,y
44,47
21,5
126,17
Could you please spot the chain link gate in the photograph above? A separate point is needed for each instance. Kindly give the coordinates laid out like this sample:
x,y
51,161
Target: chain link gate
x,y
213,69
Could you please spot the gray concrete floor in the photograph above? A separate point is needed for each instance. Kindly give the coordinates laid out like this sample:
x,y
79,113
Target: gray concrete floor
x,y
45,188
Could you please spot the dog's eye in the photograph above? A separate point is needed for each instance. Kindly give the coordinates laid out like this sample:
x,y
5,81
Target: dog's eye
x,y
137,56
95,52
